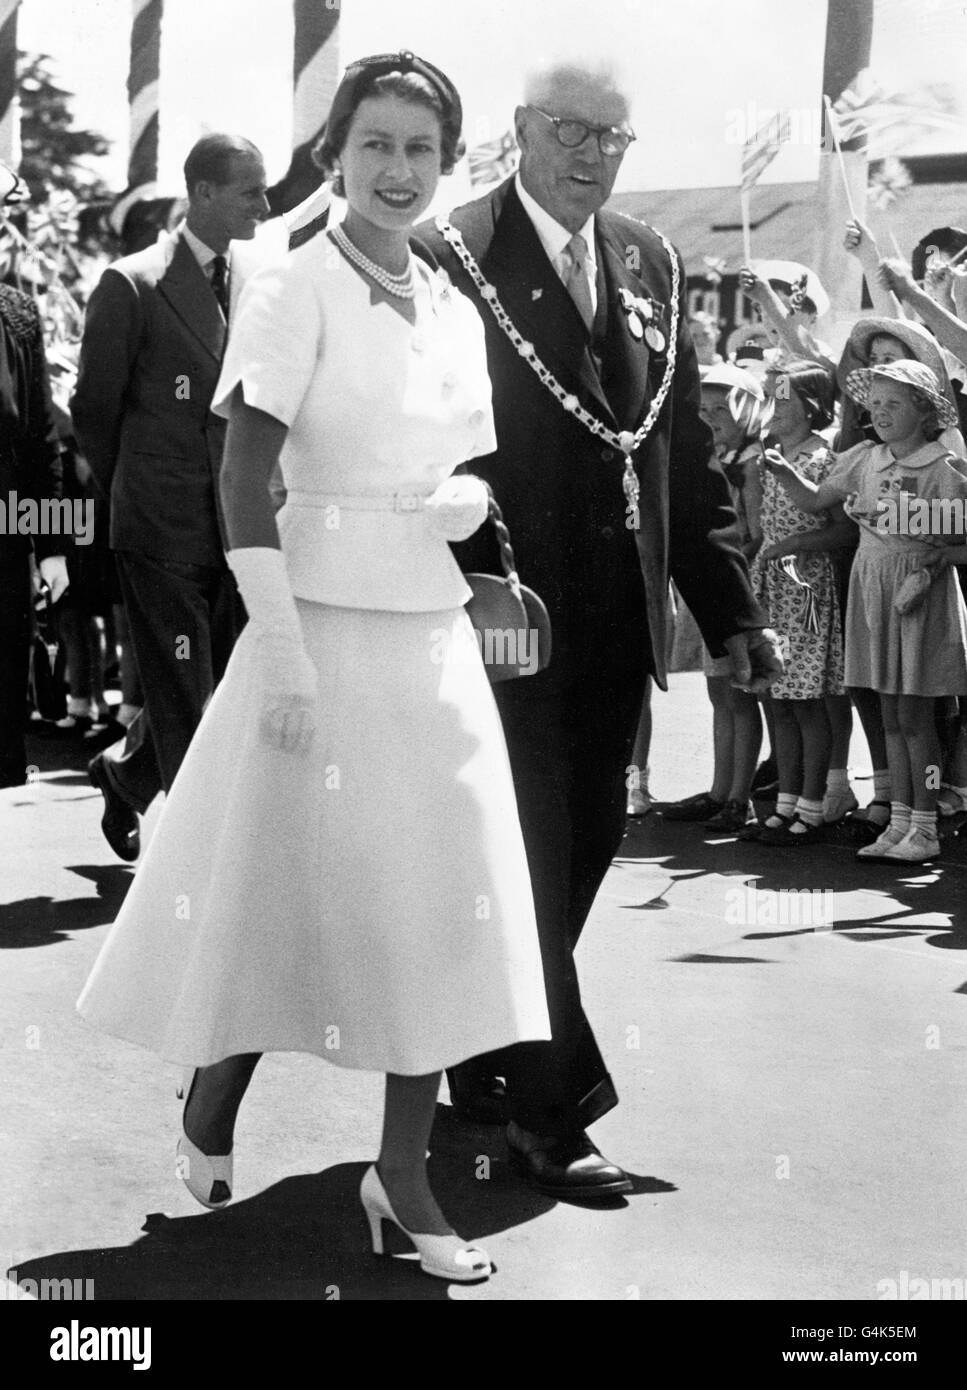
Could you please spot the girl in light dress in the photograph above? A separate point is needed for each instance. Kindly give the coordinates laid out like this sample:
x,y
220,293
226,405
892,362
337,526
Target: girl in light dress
x,y
906,624
873,342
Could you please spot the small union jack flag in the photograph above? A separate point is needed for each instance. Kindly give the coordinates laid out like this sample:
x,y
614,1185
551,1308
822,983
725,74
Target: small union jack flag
x,y
493,161
761,149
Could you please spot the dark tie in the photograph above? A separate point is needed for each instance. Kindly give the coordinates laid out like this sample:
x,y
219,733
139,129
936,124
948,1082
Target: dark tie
x,y
220,283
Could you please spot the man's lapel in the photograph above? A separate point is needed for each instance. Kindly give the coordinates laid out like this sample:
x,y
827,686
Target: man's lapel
x,y
626,356
501,238
187,290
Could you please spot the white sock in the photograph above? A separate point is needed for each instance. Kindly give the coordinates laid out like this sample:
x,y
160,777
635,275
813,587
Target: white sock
x,y
900,816
80,705
809,812
837,780
925,821
127,714
786,807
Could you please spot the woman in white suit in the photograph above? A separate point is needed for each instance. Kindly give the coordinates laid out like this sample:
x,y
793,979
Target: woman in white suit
x,y
283,904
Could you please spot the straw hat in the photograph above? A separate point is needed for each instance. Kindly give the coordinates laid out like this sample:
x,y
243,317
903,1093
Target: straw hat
x,y
921,347
909,373
785,274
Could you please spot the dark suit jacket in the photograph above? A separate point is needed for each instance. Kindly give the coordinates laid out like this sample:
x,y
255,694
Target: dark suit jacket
x,y
558,485
150,359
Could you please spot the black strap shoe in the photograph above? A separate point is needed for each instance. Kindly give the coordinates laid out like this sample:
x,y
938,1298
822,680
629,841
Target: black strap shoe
x,y
569,1167
120,822
476,1095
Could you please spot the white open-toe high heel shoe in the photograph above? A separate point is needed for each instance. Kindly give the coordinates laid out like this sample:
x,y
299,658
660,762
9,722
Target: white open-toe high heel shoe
x,y
208,1177
445,1257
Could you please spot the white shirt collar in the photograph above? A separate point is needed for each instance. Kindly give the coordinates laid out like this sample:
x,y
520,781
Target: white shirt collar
x,y
553,236
203,254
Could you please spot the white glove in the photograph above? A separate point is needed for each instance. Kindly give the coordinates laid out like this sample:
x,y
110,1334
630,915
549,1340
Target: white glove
x,y
53,571
289,680
458,507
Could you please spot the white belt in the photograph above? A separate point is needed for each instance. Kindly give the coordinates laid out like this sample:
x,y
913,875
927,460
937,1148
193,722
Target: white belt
x,y
397,502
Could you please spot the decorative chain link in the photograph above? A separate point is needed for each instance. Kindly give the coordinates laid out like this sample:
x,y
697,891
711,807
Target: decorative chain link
x,y
625,440
507,560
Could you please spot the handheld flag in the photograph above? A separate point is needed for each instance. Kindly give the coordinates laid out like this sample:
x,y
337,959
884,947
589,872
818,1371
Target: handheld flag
x,y
761,149
493,161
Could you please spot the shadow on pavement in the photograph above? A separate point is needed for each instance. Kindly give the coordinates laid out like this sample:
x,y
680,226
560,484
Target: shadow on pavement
x,y
307,1238
43,921
898,900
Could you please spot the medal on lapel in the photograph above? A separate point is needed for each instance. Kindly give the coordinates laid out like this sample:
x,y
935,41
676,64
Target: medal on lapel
x,y
653,313
643,316
632,313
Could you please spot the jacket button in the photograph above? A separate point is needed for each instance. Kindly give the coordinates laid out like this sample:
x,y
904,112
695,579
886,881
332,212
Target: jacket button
x,y
607,532
607,455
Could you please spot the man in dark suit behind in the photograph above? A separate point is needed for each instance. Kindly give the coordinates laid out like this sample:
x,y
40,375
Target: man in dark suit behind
x,y
150,360
598,312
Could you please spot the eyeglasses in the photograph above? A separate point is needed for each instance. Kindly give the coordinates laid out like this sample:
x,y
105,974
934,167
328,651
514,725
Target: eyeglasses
x,y
612,139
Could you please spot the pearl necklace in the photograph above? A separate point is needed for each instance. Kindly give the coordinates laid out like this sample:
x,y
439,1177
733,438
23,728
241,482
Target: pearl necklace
x,y
625,441
401,286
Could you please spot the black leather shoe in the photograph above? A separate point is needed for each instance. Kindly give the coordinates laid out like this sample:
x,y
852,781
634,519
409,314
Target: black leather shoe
x,y
699,807
476,1095
120,821
570,1167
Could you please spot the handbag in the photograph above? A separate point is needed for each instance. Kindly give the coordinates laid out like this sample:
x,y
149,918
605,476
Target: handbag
x,y
510,621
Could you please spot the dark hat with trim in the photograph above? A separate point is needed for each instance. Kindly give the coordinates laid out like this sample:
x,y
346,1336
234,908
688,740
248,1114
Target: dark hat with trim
x,y
359,77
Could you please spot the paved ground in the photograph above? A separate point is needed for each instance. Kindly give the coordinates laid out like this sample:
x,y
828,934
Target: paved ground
x,y
792,1091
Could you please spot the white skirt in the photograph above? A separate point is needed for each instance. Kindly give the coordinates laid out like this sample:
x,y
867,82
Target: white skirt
x,y
368,901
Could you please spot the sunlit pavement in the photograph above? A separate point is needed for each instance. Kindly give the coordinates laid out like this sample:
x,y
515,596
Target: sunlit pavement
x,y
792,1080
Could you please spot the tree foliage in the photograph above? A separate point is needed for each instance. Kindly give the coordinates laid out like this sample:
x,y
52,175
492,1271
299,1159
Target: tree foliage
x,y
53,151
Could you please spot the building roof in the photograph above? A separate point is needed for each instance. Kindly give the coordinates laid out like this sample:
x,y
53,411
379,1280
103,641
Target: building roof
x,y
707,221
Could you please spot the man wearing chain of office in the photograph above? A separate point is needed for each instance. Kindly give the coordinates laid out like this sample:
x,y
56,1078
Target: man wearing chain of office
x,y
603,471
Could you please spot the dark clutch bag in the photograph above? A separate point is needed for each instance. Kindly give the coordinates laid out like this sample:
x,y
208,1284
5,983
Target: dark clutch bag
x,y
511,622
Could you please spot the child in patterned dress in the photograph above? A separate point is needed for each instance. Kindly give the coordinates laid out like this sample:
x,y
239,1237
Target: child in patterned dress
x,y
794,580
